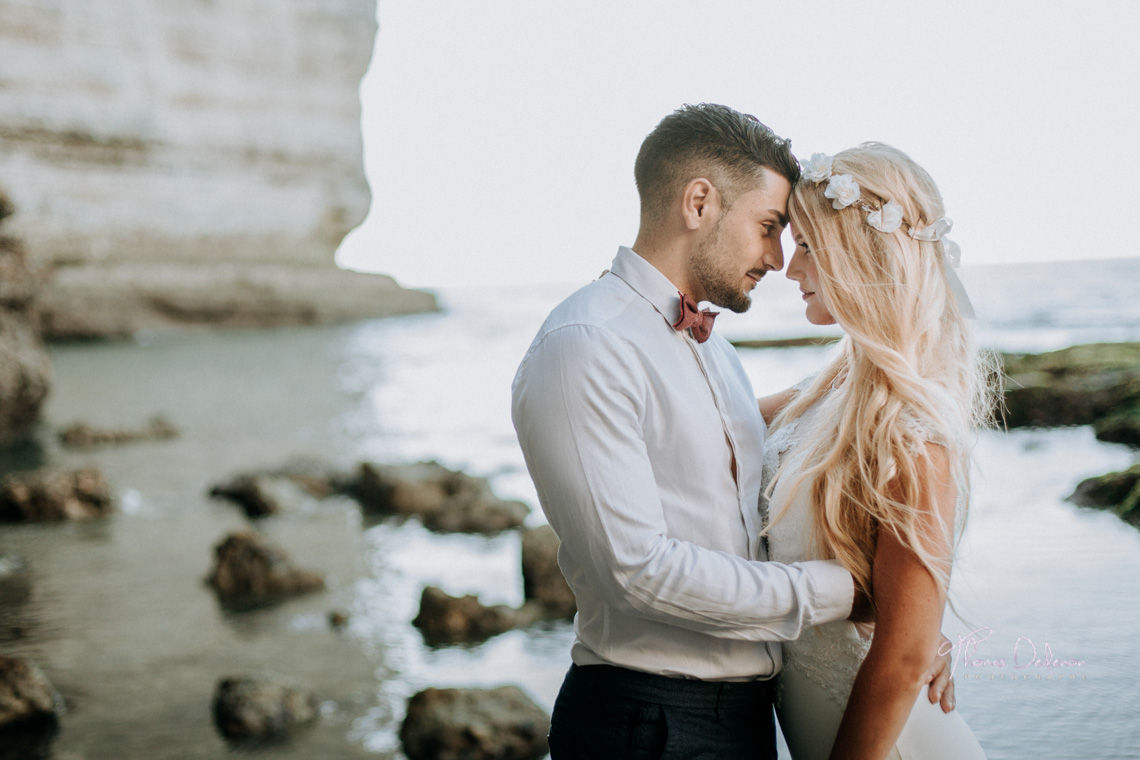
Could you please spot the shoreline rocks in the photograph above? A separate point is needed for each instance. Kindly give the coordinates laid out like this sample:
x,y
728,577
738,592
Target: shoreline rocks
x,y
1118,492
262,707
445,501
81,435
543,582
815,340
54,495
445,619
250,572
1095,384
30,710
474,724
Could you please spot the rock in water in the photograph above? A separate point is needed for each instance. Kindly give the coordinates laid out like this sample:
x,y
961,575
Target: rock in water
x,y
194,163
251,572
49,495
445,500
1116,491
25,370
543,581
259,495
1095,384
445,619
474,724
30,709
262,707
83,436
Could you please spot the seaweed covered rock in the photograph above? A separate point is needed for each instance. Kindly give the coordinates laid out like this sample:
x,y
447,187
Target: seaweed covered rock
x,y
53,495
1095,384
543,582
445,619
251,572
1115,491
474,724
262,707
445,500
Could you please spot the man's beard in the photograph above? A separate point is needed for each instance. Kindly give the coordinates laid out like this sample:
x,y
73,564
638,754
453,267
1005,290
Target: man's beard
x,y
721,286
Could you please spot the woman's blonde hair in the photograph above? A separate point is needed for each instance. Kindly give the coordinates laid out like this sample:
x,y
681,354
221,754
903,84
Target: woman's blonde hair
x,y
907,373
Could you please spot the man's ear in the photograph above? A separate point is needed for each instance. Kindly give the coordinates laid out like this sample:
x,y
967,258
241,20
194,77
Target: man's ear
x,y
700,203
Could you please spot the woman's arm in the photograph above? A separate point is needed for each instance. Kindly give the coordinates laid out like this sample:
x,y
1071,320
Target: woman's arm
x,y
770,406
909,605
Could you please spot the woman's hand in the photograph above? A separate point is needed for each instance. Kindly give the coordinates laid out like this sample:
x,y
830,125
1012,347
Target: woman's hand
x,y
770,406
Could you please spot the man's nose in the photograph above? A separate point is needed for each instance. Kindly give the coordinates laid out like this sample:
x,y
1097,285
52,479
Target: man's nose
x,y
773,257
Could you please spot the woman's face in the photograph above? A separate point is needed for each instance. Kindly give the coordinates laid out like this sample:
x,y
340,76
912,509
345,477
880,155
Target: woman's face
x,y
802,269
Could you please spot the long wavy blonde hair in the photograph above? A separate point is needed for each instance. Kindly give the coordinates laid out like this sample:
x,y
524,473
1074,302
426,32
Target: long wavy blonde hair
x,y
907,372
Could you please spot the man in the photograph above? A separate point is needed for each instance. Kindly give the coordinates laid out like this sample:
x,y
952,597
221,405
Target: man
x,y
643,437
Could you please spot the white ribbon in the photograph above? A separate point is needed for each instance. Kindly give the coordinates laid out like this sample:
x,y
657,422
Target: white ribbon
x,y
937,231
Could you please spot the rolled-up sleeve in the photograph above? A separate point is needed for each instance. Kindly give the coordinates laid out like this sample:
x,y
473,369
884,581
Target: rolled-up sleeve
x,y
579,405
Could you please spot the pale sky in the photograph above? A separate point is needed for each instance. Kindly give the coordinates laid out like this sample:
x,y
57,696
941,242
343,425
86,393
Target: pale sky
x,y
500,135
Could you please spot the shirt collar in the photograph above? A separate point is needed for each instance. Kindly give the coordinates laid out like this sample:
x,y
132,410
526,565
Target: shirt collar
x,y
648,282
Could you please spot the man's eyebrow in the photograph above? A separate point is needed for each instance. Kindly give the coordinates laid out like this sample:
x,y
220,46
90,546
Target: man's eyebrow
x,y
783,219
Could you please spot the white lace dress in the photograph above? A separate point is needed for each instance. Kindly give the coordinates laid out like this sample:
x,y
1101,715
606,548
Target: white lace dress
x,y
820,668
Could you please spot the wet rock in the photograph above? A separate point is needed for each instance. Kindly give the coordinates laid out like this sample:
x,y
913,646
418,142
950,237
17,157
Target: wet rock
x,y
258,495
1096,384
445,500
1118,492
262,707
250,572
543,582
474,724
82,436
52,495
269,492
445,619
30,707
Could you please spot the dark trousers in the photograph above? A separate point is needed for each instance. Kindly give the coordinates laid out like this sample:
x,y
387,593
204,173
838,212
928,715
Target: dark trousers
x,y
609,712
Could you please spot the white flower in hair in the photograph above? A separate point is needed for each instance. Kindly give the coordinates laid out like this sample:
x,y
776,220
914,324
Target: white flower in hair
x,y
843,190
888,218
817,168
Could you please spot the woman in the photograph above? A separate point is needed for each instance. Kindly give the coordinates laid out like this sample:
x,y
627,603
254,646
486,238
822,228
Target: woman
x,y
868,460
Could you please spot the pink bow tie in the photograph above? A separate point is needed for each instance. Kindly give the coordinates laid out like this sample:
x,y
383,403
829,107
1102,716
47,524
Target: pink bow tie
x,y
700,322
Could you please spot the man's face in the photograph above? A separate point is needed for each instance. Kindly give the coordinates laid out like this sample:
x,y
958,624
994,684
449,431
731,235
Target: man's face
x,y
743,244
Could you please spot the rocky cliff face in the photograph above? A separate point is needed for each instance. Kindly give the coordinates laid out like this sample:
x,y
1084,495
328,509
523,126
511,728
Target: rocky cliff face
x,y
188,161
25,371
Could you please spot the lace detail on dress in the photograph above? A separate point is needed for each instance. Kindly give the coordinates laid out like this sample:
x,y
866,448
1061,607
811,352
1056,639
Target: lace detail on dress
x,y
830,656
775,447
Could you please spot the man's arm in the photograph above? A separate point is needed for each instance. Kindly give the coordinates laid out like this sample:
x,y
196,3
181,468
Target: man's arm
x,y
579,401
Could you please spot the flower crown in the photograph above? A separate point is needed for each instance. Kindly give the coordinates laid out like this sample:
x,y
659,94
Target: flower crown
x,y
844,191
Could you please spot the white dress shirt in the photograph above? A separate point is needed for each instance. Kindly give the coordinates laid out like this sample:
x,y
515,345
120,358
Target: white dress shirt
x,y
629,429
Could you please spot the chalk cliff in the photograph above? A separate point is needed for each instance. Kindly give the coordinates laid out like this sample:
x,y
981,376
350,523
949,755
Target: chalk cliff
x,y
185,162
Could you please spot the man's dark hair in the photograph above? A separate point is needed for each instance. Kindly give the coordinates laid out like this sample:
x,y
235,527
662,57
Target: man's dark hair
x,y
708,140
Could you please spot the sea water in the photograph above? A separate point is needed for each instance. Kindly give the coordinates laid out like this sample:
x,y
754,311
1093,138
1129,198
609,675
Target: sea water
x,y
118,616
